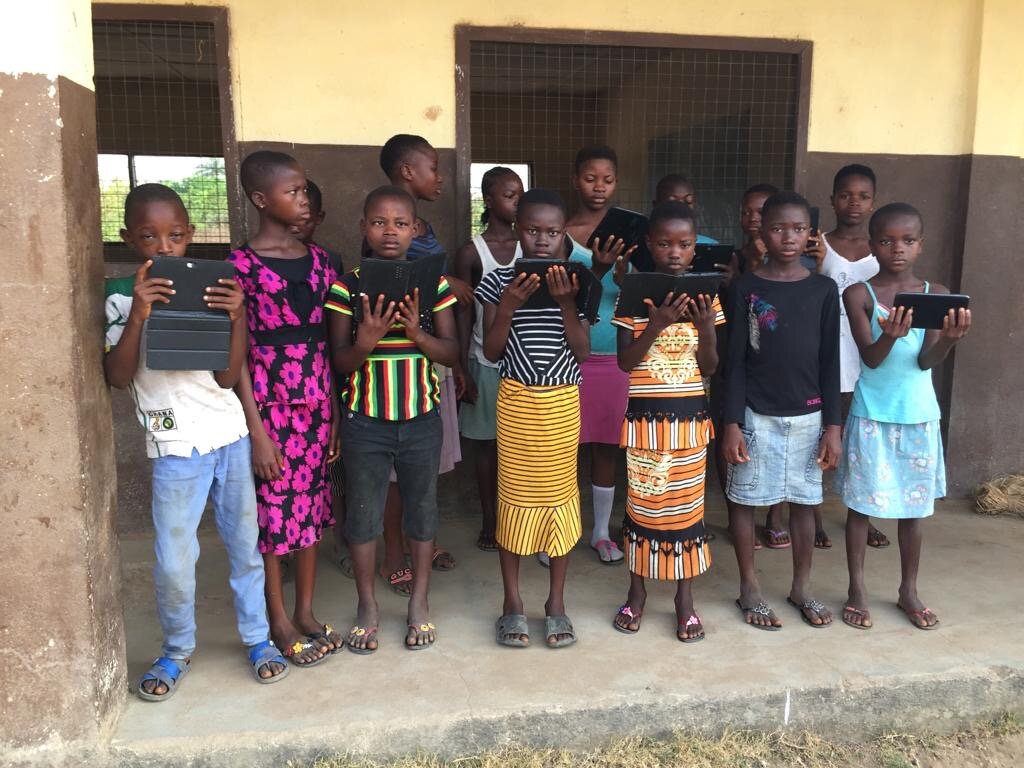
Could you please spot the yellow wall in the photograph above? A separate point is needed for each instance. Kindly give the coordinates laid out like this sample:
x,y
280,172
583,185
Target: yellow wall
x,y
889,76
47,37
999,122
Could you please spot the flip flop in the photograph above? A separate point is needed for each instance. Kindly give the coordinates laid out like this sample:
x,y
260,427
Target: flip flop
x,y
397,579
693,620
420,629
357,631
508,626
608,552
439,556
263,654
486,543
822,540
170,672
761,609
558,625
323,637
877,539
543,559
345,565
777,538
809,605
856,612
300,646
924,613
634,618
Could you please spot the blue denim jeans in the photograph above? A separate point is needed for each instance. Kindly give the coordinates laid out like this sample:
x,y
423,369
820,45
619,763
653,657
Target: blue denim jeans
x,y
181,487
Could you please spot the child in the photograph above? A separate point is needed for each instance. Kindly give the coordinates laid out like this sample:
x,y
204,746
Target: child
x,y
680,189
392,421
750,255
197,439
538,352
410,162
667,429
892,448
605,388
782,402
845,256
288,400
497,246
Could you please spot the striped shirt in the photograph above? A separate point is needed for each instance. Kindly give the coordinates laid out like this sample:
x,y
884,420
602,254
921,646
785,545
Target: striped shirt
x,y
397,381
537,353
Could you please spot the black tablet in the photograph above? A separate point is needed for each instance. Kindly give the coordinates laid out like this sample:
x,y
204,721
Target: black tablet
x,y
191,278
930,308
637,287
623,223
588,299
397,278
706,256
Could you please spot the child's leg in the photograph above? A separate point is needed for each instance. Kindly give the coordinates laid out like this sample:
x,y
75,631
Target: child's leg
x,y
180,489
305,587
394,552
487,487
801,530
856,545
821,537
603,458
776,533
688,623
416,464
234,506
741,528
555,605
910,536
636,599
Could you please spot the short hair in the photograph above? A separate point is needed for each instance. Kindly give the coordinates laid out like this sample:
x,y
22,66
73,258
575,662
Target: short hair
x,y
596,152
893,211
144,194
666,182
854,169
397,150
761,189
538,196
388,191
671,210
490,178
262,165
316,197
786,197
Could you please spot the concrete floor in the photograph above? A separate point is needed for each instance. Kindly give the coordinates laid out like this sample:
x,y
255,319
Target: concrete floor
x,y
467,693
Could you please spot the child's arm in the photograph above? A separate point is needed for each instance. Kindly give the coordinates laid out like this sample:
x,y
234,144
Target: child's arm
x,y
631,351
734,447
267,460
611,254
498,317
702,314
830,446
228,297
467,267
440,347
348,357
563,290
858,310
121,362
937,344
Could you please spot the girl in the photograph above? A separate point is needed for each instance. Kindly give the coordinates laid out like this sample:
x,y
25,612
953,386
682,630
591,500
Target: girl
x,y
477,377
288,400
892,448
538,351
667,429
604,390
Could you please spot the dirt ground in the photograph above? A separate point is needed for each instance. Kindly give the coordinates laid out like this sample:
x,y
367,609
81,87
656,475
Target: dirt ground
x,y
996,744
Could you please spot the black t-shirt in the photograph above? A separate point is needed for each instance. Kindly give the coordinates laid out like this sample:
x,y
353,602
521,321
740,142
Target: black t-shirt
x,y
783,355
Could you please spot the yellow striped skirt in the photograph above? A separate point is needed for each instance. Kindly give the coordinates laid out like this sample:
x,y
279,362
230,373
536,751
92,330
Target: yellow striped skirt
x,y
538,495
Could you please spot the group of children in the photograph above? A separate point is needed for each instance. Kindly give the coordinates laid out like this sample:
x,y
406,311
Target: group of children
x,y
339,408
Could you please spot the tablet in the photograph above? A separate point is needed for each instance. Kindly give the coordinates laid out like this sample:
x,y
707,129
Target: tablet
x,y
637,287
930,308
191,278
397,278
706,256
623,223
588,299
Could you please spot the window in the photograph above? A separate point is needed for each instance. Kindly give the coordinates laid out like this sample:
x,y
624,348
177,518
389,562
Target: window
x,y
724,118
158,119
476,175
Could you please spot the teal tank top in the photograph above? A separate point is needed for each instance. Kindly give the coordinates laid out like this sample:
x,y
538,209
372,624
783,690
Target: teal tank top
x,y
897,391
603,335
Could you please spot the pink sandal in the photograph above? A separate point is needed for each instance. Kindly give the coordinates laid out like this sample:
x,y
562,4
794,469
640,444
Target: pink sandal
x,y
608,552
693,621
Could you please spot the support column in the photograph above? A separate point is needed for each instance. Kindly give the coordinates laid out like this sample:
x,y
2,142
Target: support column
x,y
62,661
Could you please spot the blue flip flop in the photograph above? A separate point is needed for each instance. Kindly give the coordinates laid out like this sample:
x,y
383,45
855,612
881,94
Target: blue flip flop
x,y
265,653
167,671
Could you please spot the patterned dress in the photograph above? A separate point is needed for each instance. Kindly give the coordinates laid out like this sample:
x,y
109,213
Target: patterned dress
x,y
291,382
666,433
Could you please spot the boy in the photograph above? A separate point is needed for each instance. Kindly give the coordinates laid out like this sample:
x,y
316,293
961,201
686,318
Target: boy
x,y
197,438
391,420
782,419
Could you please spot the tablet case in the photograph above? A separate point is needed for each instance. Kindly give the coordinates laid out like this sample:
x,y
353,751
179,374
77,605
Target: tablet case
x,y
588,299
396,279
184,334
636,287
930,308
706,256
623,223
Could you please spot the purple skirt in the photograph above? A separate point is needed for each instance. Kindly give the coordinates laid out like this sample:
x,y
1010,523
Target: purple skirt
x,y
604,395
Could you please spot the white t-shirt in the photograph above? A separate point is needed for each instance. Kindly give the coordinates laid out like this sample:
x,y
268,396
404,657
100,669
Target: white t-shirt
x,y
180,410
488,264
845,273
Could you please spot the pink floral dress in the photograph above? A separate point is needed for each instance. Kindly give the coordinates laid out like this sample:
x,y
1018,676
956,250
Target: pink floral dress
x,y
291,381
